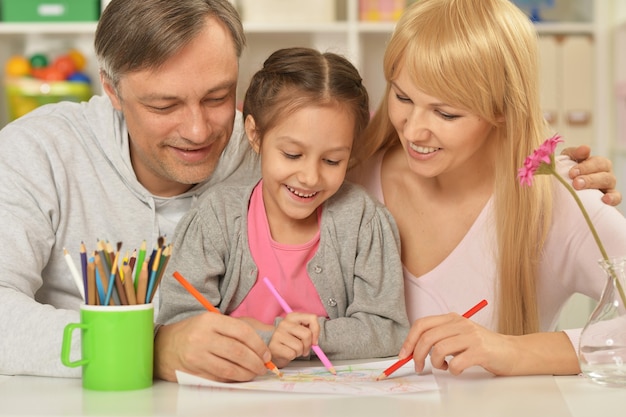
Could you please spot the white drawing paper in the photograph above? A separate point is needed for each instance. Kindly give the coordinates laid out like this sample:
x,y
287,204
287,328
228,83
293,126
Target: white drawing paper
x,y
352,379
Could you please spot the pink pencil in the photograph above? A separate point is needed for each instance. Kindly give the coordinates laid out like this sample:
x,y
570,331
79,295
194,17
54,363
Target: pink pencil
x,y
393,368
318,351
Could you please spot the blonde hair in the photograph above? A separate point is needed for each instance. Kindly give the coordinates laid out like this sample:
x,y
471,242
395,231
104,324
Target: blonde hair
x,y
481,55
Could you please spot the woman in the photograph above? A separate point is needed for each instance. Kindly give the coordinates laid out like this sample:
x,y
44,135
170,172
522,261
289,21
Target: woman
x,y
460,115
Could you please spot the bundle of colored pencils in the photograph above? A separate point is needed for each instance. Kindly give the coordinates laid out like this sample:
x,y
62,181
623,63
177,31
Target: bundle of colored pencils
x,y
108,280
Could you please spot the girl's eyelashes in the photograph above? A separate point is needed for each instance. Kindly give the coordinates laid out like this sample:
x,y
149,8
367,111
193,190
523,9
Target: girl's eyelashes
x,y
291,156
332,162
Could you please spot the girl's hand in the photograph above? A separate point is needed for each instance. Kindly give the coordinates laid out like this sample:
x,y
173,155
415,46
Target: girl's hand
x,y
293,337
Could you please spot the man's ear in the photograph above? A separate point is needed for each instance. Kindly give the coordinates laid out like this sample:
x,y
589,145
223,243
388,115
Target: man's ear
x,y
252,134
110,91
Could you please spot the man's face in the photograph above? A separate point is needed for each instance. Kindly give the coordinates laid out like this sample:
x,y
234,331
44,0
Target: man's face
x,y
180,116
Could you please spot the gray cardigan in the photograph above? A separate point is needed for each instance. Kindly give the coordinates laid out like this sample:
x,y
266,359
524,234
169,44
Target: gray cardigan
x,y
357,269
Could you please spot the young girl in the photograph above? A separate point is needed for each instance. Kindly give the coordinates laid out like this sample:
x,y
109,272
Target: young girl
x,y
461,114
330,250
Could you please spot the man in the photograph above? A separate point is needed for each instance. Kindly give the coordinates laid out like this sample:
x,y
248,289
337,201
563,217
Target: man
x,y
125,167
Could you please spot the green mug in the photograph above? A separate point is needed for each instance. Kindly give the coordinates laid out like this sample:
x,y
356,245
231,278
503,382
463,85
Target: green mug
x,y
116,346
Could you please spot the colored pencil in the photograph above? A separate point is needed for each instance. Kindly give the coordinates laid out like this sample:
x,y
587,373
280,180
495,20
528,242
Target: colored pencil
x,y
83,263
101,273
165,257
119,287
140,257
91,284
142,283
74,272
104,256
190,288
399,364
112,277
155,267
128,284
131,262
92,261
318,351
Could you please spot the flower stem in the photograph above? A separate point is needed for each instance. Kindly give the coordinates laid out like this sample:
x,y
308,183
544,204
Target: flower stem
x,y
571,190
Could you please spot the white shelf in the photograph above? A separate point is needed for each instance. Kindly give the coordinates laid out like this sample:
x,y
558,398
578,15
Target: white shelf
x,y
47,28
375,27
564,28
257,27
331,27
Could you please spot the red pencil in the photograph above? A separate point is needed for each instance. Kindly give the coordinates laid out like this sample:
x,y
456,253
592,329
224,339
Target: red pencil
x,y
269,365
399,364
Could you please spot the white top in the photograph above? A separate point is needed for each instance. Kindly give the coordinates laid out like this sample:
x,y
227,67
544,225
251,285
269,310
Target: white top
x,y
468,274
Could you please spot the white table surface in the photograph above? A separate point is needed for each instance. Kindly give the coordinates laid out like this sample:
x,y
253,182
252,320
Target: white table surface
x,y
475,393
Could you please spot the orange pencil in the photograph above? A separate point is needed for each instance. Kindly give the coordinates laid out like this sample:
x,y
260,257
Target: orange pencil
x,y
269,365
399,364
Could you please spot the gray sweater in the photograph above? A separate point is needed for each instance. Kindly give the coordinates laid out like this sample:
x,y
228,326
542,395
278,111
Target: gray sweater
x,y
66,178
357,269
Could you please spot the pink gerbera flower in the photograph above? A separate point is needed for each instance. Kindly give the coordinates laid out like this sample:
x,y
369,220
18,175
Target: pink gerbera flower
x,y
535,163
541,162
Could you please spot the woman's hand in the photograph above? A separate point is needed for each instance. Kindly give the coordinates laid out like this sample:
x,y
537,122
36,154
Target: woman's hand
x,y
451,335
456,344
593,172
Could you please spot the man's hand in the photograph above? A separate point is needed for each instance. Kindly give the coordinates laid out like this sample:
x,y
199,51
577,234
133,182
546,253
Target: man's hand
x,y
211,346
593,172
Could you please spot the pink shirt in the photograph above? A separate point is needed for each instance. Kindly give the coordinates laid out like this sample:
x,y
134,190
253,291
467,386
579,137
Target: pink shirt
x,y
284,265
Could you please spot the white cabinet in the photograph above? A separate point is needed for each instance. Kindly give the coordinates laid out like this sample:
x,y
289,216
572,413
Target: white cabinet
x,y
619,95
567,74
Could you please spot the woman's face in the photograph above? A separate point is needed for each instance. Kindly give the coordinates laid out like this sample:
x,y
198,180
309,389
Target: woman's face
x,y
438,138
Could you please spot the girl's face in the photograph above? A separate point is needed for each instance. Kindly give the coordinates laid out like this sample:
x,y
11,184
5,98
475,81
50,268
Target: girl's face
x,y
437,137
303,160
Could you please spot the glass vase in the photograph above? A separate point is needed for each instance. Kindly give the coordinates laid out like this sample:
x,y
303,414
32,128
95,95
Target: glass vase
x,y
602,348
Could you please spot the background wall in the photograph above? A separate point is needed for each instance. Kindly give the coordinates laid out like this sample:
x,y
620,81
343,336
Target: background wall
x,y
584,63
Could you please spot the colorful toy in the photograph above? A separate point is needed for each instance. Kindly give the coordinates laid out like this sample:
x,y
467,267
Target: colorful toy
x,y
40,66
40,79
17,66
